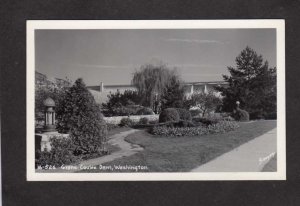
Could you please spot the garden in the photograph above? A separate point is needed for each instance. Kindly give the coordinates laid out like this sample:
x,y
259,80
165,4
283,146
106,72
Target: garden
x,y
177,131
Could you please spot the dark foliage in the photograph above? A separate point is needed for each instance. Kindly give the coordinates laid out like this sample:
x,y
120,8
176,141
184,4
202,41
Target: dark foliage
x,y
173,94
184,114
126,122
79,115
145,111
169,114
241,115
122,104
206,121
144,120
184,123
252,83
62,152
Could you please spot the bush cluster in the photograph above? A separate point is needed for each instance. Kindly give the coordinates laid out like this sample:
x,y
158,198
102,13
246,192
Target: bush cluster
x,y
126,122
144,120
62,152
169,115
184,114
221,127
241,115
145,111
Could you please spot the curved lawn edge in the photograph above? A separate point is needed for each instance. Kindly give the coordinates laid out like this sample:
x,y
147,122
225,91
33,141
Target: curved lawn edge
x,y
182,154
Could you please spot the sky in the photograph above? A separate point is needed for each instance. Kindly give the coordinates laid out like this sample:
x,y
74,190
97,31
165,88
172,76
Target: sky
x,y
111,56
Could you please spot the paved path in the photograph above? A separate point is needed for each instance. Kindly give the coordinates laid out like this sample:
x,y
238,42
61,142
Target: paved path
x,y
249,157
126,149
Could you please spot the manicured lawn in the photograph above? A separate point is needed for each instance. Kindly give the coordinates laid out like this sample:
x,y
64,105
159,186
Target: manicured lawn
x,y
181,154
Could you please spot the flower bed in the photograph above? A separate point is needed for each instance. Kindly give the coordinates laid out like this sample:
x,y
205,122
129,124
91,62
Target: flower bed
x,y
221,127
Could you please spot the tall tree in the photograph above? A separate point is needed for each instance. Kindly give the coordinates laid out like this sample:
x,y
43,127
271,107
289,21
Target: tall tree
x,y
151,82
173,94
80,116
252,83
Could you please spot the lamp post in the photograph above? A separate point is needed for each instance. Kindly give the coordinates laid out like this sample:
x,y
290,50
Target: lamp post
x,y
49,115
237,104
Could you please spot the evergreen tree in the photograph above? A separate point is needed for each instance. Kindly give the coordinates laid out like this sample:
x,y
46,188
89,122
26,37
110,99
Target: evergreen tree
x,y
252,83
173,95
79,115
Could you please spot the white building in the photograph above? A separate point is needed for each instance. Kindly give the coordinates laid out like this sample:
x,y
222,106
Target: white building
x,y
101,91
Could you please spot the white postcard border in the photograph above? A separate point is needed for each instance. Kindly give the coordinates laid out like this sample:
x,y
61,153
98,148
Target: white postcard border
x,y
279,25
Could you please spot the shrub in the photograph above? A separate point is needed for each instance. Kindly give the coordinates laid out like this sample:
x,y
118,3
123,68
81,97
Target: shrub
x,y
145,111
241,115
169,114
184,114
206,121
79,115
221,127
195,112
184,123
271,116
62,152
144,120
126,122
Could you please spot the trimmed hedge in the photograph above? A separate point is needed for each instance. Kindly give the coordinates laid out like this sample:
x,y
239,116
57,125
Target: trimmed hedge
x,y
184,114
221,127
241,115
169,115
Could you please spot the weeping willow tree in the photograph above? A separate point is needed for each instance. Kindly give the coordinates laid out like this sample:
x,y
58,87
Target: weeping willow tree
x,y
151,82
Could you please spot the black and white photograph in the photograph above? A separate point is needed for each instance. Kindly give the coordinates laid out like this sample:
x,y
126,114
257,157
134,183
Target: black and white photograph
x,y
155,100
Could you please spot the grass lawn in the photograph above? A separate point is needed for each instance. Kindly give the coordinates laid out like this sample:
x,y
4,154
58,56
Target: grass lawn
x,y
181,154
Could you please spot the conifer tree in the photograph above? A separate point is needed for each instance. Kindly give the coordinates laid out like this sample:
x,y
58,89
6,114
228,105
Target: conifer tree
x,y
252,83
80,116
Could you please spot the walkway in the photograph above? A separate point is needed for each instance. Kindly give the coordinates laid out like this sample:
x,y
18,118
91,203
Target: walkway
x,y
126,149
249,157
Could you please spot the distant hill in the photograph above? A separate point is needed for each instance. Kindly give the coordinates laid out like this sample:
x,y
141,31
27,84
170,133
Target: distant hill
x,y
42,80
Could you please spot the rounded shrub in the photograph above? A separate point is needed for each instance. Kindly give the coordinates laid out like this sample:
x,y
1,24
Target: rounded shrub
x,y
241,115
169,114
145,111
184,114
126,122
144,120
79,115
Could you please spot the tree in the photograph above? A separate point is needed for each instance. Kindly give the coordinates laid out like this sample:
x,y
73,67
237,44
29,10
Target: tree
x,y
120,104
205,102
79,115
173,94
44,89
152,82
252,83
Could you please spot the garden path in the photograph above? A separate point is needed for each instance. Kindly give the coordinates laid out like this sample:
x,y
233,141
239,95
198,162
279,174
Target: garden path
x,y
249,157
126,149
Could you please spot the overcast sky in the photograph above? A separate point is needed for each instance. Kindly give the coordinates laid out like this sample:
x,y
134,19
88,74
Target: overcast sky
x,y
111,56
